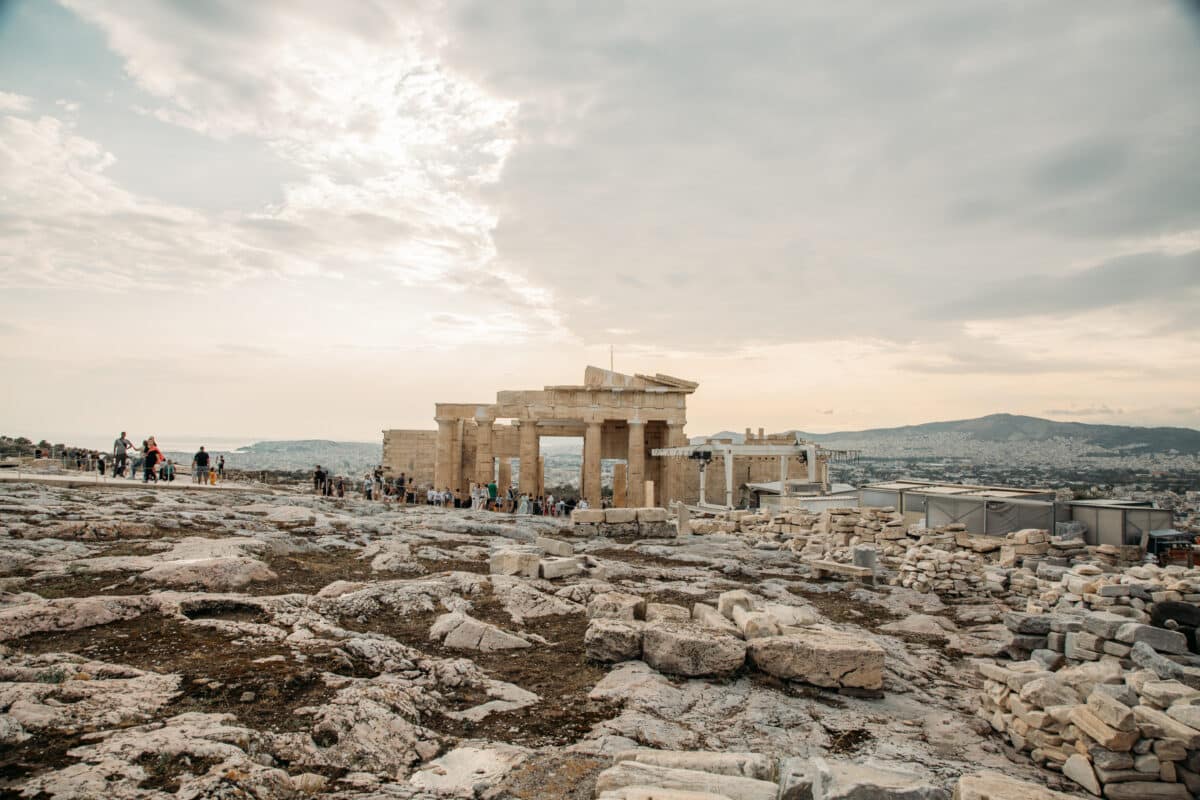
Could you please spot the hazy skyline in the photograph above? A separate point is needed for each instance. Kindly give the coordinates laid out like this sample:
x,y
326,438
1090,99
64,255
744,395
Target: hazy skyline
x,y
312,220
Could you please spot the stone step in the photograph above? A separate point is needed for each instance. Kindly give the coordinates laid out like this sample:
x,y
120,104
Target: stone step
x,y
633,774
745,765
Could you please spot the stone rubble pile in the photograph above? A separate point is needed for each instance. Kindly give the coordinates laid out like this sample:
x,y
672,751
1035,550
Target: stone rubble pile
x,y
956,573
780,640
1129,735
547,558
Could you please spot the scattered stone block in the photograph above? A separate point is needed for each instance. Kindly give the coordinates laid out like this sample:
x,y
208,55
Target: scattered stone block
x,y
613,640
691,650
1161,639
1104,734
514,562
666,611
708,617
997,786
745,765
550,568
616,605
1111,711
555,547
635,774
458,631
827,658
846,780
1079,769
728,600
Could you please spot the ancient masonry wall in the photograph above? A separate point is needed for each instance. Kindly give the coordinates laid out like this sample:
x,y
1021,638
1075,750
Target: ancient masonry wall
x,y
412,452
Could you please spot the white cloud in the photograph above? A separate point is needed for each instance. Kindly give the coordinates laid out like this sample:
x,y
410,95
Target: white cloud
x,y
14,102
393,147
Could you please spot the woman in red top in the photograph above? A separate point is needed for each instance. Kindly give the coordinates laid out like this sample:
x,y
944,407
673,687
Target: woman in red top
x,y
151,458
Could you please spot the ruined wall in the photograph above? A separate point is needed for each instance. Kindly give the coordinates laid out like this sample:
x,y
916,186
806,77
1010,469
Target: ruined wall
x,y
412,452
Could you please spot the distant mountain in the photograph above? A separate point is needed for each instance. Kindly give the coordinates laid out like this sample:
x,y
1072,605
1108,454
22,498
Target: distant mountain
x,y
299,454
1011,428
1001,428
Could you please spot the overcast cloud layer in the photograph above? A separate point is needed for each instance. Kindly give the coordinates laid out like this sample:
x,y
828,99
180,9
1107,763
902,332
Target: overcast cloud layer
x,y
321,217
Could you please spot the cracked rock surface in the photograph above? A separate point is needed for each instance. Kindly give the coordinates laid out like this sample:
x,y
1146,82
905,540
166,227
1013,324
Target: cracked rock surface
x,y
158,643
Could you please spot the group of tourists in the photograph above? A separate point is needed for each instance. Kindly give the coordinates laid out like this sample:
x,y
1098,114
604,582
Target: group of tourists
x,y
153,466
404,491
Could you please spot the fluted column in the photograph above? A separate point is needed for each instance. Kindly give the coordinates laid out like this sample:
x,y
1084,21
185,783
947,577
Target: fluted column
x,y
672,489
485,468
443,460
636,457
591,464
529,457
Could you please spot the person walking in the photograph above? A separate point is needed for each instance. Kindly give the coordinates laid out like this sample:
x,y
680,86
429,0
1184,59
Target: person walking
x,y
221,467
200,466
318,479
120,453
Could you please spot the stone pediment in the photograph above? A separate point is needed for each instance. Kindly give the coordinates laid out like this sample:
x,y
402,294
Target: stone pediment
x,y
598,378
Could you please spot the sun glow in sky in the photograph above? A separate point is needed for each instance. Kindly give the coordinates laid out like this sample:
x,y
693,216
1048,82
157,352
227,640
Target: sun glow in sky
x,y
291,219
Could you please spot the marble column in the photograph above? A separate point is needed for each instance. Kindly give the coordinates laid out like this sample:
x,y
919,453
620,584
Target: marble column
x,y
443,459
485,467
672,488
620,483
591,464
636,457
456,458
529,457
505,479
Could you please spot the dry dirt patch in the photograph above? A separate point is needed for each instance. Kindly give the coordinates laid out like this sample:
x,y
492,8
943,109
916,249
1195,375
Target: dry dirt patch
x,y
558,672
840,606
216,673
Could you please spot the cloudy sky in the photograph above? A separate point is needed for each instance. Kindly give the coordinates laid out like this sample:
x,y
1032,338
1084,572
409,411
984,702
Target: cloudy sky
x,y
296,218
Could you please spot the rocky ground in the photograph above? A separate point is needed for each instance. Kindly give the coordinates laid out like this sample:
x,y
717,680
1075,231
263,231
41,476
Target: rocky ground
x,y
165,642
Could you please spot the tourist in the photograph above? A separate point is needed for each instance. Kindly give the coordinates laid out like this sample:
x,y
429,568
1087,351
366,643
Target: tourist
x,y
150,458
583,503
100,465
523,504
318,479
341,487
447,498
491,489
368,485
120,453
221,467
212,476
402,487
200,466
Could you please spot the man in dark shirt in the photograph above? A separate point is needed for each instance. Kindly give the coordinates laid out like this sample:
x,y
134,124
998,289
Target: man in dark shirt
x,y
200,467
